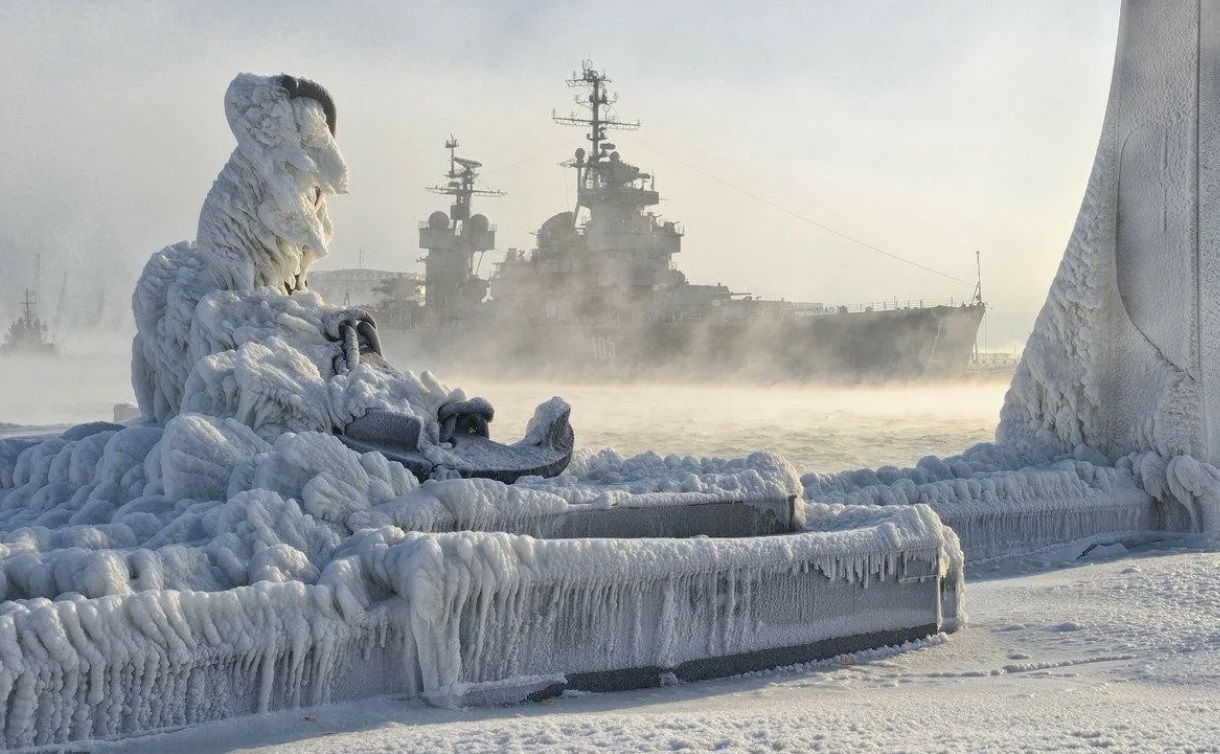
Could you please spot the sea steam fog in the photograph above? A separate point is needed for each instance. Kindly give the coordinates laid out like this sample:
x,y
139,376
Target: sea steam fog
x,y
817,428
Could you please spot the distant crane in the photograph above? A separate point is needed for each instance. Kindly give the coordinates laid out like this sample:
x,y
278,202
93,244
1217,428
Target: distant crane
x,y
59,305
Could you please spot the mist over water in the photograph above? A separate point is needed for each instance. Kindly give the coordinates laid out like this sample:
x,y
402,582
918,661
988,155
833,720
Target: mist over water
x,y
816,428
82,383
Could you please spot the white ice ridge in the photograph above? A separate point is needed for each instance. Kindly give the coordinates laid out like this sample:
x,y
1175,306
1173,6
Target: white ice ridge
x,y
143,568
1002,502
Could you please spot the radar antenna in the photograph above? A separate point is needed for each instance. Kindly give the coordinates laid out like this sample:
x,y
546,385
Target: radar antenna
x,y
598,103
600,166
462,175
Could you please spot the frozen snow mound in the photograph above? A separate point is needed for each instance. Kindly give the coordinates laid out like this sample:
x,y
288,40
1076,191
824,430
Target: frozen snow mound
x,y
155,576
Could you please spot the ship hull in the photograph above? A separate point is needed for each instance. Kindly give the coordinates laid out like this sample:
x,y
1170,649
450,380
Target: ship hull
x,y
902,344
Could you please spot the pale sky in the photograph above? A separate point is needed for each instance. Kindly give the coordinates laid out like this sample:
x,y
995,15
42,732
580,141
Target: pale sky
x,y
929,129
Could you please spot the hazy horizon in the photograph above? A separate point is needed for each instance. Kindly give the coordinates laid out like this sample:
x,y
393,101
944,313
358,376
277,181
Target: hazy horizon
x,y
929,131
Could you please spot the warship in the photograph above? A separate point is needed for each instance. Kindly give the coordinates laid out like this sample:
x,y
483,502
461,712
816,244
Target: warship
x,y
599,297
27,335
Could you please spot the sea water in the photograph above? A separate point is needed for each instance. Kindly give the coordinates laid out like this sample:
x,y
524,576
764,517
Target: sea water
x,y
817,428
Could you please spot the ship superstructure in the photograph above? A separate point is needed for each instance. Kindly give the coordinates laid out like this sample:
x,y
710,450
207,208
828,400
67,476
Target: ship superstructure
x,y
451,241
610,258
599,295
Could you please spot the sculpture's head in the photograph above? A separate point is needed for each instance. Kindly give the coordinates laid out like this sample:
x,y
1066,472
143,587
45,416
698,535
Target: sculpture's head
x,y
285,128
286,121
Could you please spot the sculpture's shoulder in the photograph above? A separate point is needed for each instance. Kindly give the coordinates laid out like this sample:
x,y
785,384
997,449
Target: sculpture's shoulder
x,y
179,263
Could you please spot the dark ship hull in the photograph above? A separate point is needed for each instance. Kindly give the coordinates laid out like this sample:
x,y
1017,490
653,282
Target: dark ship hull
x,y
869,346
30,348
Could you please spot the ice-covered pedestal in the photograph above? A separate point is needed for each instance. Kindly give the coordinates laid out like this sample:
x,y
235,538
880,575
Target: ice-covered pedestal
x,y
329,575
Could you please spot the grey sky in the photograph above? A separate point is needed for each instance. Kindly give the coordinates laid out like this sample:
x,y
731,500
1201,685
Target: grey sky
x,y
928,129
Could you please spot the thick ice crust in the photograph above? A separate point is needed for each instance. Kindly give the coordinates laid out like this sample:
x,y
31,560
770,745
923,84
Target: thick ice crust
x,y
441,615
1011,498
142,568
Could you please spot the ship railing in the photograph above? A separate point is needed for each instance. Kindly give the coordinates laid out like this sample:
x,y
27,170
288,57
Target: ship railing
x,y
996,358
894,304
983,362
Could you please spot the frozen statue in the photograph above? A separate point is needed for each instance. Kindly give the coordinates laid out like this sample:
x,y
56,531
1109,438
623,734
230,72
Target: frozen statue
x,y
227,327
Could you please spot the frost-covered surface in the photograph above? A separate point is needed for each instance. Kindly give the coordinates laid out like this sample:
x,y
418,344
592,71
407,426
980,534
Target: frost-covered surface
x,y
1002,499
225,324
496,608
1009,498
1122,357
208,504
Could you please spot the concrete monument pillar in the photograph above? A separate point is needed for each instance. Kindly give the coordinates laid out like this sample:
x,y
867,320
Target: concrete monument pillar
x,y
1125,355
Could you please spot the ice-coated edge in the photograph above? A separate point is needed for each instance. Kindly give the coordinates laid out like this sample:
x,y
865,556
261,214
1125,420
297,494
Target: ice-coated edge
x,y
142,567
430,615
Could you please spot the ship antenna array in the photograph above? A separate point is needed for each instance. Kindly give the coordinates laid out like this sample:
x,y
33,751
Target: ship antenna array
x,y
598,102
978,285
462,175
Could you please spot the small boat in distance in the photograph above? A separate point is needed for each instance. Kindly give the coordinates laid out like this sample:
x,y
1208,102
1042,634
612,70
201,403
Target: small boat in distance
x,y
27,335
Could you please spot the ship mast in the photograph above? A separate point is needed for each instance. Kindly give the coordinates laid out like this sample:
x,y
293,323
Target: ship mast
x,y
462,175
450,285
978,286
598,103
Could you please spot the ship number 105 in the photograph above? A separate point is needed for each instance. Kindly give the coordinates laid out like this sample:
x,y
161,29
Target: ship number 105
x,y
603,348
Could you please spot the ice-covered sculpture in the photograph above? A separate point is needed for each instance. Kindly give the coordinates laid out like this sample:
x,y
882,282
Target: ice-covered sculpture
x,y
226,325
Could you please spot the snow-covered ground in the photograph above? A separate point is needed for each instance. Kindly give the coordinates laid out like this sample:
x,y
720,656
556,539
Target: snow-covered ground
x,y
1117,650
